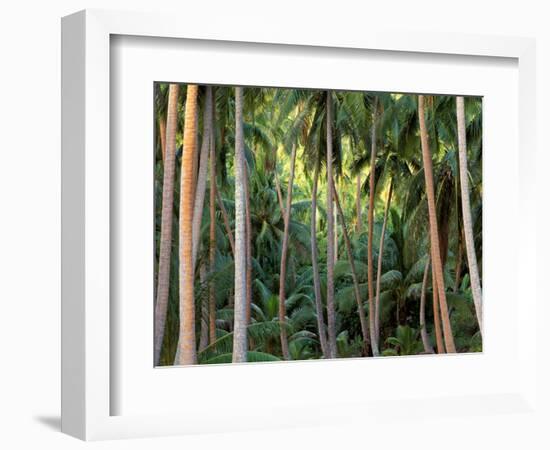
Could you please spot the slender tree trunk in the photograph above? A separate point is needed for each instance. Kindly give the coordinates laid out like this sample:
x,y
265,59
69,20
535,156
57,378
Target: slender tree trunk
x,y
358,209
202,174
437,316
280,196
284,252
315,267
423,332
162,132
436,255
467,214
203,340
331,312
240,332
212,240
370,260
379,269
226,223
248,246
187,347
358,301
165,250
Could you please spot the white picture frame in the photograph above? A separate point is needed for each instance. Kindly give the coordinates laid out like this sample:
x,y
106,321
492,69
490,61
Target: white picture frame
x,y
89,334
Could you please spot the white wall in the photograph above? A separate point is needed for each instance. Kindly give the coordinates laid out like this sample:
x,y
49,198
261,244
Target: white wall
x,y
30,189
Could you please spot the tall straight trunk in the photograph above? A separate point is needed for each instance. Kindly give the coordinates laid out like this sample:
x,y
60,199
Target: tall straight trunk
x,y
162,132
370,260
202,173
467,213
437,316
239,329
434,234
248,245
212,242
187,348
315,266
423,332
165,247
226,224
203,339
357,293
331,312
379,269
284,252
280,196
358,209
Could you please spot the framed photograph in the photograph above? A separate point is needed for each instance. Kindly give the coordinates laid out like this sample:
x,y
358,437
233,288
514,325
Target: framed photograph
x,y
277,243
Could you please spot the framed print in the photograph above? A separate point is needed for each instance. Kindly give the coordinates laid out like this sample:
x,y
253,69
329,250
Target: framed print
x,y
283,223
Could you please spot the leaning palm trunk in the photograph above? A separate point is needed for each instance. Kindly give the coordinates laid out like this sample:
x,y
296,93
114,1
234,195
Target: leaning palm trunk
x,y
187,353
360,308
239,333
331,312
315,266
370,261
466,212
434,234
212,245
423,332
165,251
284,252
379,269
202,174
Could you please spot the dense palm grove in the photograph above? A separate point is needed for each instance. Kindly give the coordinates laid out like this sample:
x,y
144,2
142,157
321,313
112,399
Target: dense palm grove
x,y
303,224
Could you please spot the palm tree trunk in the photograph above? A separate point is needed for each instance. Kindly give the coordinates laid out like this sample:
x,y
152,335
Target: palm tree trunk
x,y
379,269
187,348
331,312
212,242
358,209
360,308
226,223
203,339
240,332
467,214
202,174
370,261
434,234
437,316
284,252
458,264
423,332
165,250
315,266
280,196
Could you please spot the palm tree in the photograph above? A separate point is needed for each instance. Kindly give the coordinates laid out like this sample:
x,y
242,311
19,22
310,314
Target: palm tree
x,y
187,348
370,261
202,172
466,211
284,250
434,234
331,313
239,333
163,282
423,332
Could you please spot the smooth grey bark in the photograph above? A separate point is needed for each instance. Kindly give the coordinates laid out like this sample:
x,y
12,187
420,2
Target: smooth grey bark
x,y
315,266
467,214
165,250
202,173
357,293
423,332
370,260
284,252
379,268
331,312
239,329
